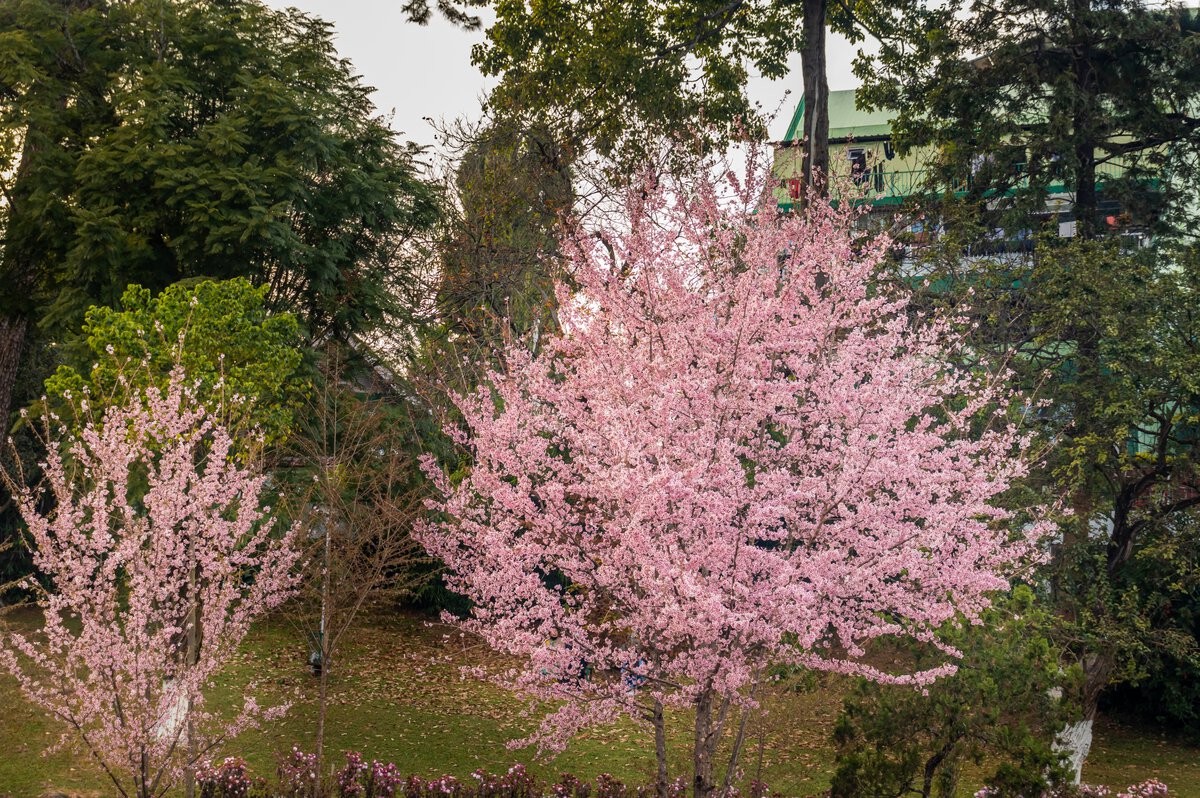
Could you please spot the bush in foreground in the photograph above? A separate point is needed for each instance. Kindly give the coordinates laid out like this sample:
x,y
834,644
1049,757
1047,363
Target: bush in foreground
x,y
1151,788
298,777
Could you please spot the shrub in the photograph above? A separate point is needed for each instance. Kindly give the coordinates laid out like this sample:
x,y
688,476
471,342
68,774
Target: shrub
x,y
230,779
1151,788
360,780
998,708
298,776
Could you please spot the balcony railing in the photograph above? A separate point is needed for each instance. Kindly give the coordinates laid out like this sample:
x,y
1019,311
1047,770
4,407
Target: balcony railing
x,y
900,183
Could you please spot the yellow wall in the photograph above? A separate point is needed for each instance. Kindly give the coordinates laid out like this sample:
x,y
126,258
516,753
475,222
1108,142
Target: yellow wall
x,y
898,176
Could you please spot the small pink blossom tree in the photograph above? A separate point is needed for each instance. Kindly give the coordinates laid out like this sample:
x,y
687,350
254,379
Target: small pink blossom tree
x,y
738,453
157,555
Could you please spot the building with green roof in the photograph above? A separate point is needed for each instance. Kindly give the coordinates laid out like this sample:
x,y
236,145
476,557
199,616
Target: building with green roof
x,y
846,121
860,150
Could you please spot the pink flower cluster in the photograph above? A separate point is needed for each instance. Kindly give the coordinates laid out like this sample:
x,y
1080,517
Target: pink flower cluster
x,y
609,787
298,776
230,779
357,779
1151,788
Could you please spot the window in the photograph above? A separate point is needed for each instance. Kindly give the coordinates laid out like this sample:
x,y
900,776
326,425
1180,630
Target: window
x,y
858,164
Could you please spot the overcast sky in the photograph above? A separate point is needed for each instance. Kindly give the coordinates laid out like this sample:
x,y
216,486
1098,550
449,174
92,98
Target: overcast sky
x,y
426,72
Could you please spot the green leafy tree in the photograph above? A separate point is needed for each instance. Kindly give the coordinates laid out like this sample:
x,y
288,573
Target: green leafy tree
x,y
1164,597
155,140
1024,105
1095,100
622,77
1000,710
247,363
499,252
1105,337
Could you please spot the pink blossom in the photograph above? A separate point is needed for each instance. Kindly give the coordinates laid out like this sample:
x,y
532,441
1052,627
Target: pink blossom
x,y
739,452
155,524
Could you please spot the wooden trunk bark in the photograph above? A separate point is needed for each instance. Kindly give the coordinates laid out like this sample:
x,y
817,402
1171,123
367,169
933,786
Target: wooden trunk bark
x,y
816,98
322,711
12,346
194,641
1084,121
1075,740
702,760
660,750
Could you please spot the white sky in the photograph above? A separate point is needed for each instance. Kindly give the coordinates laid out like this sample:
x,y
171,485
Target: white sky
x,y
424,73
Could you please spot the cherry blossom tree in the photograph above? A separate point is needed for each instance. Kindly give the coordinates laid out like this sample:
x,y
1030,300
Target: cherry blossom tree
x,y
740,452
156,554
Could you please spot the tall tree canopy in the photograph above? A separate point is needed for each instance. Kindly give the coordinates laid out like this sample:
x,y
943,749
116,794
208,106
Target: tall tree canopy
x,y
622,77
1025,95
1088,108
499,252
153,140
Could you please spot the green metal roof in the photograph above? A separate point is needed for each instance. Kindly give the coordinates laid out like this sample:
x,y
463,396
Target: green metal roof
x,y
846,120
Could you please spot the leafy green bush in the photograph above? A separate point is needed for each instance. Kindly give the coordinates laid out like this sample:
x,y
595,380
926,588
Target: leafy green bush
x,y
1000,707
248,363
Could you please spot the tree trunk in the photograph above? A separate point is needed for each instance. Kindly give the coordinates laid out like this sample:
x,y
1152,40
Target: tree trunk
x,y
18,273
762,745
1073,743
193,658
1084,122
12,345
1086,225
702,750
23,253
660,750
322,710
1076,739
736,753
931,766
816,99
28,234
325,646
143,783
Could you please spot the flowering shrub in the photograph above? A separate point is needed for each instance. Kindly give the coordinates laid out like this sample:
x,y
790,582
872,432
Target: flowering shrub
x,y
1151,788
298,776
567,786
360,780
230,779
143,530
348,777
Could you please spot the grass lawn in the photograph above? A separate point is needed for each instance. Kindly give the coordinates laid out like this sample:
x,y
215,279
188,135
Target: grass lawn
x,y
399,696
